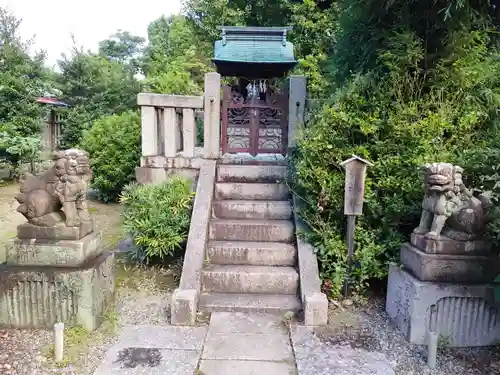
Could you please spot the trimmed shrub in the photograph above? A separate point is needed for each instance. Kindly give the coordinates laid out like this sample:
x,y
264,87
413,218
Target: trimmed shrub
x,y
114,145
158,218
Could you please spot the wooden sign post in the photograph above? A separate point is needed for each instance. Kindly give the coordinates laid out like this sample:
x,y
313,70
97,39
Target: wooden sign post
x,y
354,190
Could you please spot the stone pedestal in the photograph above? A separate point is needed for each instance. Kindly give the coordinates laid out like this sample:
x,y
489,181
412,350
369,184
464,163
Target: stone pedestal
x,y
463,314
470,269
49,281
39,297
34,252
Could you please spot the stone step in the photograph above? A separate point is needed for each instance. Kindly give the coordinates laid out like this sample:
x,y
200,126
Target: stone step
x,y
263,303
252,209
252,230
251,191
251,253
216,278
251,173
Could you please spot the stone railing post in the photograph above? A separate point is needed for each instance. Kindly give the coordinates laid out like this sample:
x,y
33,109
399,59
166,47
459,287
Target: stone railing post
x,y
212,116
149,127
168,135
296,107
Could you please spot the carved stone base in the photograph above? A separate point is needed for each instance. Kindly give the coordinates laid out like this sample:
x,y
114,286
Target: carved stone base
x,y
57,232
39,297
445,245
67,253
464,315
470,269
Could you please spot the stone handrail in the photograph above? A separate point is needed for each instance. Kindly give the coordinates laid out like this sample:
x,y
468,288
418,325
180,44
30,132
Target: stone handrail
x,y
168,124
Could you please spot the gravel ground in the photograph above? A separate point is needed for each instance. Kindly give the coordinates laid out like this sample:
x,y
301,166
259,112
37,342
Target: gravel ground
x,y
368,327
143,296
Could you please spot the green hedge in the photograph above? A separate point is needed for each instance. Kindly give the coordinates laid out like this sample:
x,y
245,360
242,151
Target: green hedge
x,y
114,145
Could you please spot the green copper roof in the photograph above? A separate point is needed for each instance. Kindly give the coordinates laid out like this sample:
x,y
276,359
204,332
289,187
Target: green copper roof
x,y
253,46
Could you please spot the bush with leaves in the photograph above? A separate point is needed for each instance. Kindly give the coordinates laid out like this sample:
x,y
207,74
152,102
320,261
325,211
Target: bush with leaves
x,y
113,144
399,117
158,217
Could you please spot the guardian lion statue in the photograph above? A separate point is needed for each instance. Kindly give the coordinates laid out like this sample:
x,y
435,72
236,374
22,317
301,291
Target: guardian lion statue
x,y
449,208
60,195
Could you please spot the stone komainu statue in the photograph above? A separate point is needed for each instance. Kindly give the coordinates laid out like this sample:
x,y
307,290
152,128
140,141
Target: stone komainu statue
x,y
60,195
449,207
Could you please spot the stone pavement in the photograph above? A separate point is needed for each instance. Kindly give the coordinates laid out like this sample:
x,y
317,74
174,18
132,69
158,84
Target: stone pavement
x,y
235,343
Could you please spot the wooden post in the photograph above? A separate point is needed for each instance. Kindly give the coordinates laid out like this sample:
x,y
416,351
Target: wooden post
x,y
353,204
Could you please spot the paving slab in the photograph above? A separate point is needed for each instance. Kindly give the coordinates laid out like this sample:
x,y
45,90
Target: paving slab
x,y
154,350
252,347
218,367
249,323
247,337
164,337
314,357
139,361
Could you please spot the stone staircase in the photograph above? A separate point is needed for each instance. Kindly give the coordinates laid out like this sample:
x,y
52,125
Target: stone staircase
x,y
251,255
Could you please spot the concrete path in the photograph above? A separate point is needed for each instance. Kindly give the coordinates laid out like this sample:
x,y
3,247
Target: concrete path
x,y
235,343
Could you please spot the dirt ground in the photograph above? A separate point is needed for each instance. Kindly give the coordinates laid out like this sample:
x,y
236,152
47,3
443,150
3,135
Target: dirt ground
x,y
142,297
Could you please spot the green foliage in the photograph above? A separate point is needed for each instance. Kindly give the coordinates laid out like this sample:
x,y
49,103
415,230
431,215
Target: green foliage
x,y
113,143
158,217
173,62
399,116
94,86
22,80
124,48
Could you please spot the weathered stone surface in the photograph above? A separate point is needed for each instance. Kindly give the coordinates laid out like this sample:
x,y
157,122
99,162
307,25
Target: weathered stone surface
x,y
33,296
252,230
154,350
251,173
166,100
135,361
249,279
445,245
314,357
469,269
256,191
464,314
183,307
224,367
149,175
198,230
254,323
57,198
251,209
235,302
315,302
33,252
163,337
238,341
315,309
60,231
251,253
